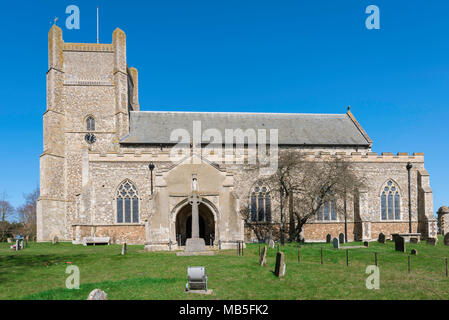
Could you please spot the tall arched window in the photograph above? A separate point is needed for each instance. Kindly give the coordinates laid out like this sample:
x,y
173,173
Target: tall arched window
x,y
127,203
90,123
390,202
327,212
260,204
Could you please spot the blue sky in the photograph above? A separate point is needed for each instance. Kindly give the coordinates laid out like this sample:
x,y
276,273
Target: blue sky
x,y
254,56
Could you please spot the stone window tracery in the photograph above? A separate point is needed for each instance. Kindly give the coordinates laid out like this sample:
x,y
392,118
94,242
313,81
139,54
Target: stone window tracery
x,y
327,212
390,202
260,202
127,203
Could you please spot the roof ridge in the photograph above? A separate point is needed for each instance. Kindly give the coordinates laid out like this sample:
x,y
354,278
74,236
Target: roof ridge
x,y
236,112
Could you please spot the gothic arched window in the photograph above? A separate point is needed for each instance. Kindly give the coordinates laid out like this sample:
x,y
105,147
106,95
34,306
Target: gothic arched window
x,y
390,202
90,123
327,212
127,203
260,201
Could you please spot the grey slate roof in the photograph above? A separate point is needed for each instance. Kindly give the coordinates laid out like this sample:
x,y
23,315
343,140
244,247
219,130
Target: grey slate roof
x,y
155,127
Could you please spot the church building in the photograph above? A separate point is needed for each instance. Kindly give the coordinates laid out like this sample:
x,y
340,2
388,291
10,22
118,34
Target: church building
x,y
107,168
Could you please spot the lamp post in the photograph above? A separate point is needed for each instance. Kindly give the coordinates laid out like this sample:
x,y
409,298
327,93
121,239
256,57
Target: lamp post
x,y
409,167
151,167
281,191
346,218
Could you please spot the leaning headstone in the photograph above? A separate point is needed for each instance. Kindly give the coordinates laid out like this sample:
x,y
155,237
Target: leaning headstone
x,y
55,240
399,244
336,243
366,244
446,239
381,238
328,238
414,240
271,243
432,241
279,270
414,252
97,294
263,256
124,248
341,238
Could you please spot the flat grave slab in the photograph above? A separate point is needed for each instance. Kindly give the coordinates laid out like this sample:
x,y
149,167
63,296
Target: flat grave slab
x,y
407,236
353,247
193,253
209,291
95,240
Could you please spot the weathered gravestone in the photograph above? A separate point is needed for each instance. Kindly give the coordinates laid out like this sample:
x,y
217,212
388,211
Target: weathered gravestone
x,y
366,244
446,239
328,238
432,241
21,244
341,238
124,248
381,238
271,243
263,256
55,240
97,294
279,270
414,252
17,245
399,244
336,243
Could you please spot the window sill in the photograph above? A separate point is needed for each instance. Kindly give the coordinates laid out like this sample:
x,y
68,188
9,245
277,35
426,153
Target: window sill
x,y
107,224
260,222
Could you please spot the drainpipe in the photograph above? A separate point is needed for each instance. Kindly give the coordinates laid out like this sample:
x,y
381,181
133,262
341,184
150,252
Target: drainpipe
x,y
151,167
409,167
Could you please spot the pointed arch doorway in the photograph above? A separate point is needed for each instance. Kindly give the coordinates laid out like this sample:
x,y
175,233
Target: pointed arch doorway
x,y
184,223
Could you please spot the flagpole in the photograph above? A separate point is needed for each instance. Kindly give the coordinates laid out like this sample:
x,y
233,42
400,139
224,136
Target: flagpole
x,y
98,31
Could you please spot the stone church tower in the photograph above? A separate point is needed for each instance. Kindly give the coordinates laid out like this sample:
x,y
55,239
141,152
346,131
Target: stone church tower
x,y
83,80
107,170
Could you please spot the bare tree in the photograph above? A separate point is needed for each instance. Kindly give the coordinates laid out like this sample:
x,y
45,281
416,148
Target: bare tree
x,y
27,213
308,184
6,212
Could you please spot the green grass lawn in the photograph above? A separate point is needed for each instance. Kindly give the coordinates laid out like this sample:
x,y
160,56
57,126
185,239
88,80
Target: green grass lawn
x,y
146,275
